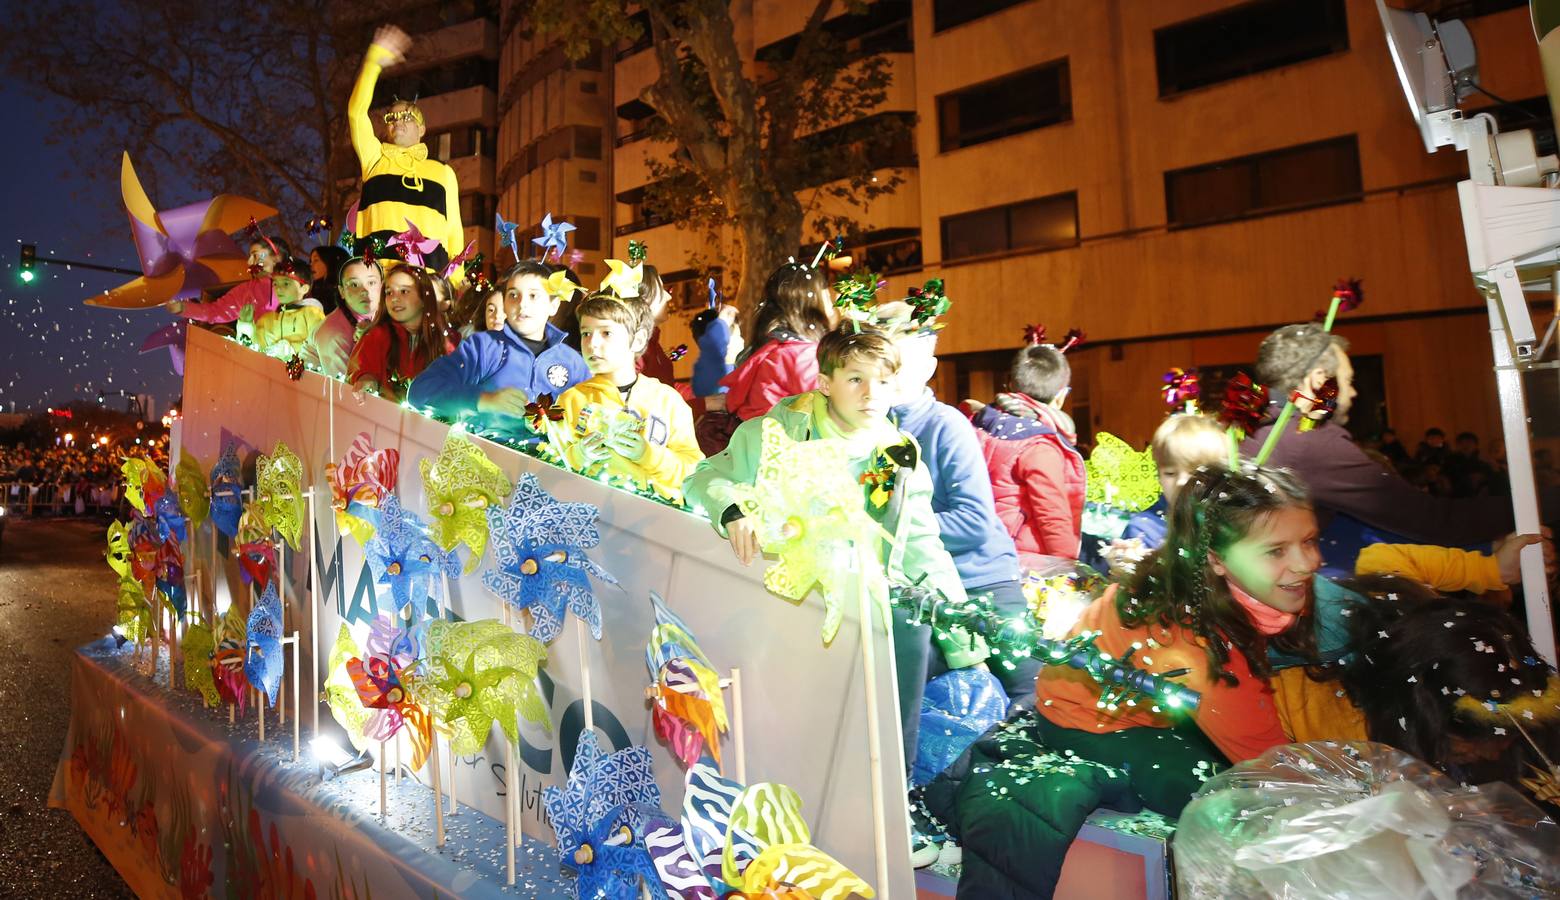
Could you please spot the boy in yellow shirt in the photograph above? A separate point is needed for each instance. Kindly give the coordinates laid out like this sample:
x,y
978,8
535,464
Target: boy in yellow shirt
x,y
633,424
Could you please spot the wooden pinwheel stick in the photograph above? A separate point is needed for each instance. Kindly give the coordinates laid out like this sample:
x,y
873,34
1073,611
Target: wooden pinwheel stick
x,y
260,708
509,809
382,802
590,716
737,746
281,588
297,715
314,625
438,792
874,739
454,761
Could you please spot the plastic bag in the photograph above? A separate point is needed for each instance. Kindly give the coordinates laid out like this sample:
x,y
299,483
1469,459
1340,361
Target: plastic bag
x,y
1364,821
956,709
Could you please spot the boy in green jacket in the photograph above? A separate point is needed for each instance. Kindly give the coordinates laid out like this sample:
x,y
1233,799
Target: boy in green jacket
x,y
856,390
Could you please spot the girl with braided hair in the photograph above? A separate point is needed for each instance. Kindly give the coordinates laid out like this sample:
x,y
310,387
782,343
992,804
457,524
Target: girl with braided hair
x,y
1234,581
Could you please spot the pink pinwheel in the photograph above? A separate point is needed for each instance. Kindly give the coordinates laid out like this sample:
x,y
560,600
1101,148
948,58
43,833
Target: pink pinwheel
x,y
183,251
457,262
411,244
170,336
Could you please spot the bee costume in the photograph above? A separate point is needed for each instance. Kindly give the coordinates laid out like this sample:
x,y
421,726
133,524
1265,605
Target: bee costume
x,y
401,184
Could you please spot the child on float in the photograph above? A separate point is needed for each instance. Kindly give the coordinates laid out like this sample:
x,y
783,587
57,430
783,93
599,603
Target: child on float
x,y
967,523
287,330
653,359
325,262
494,374
719,339
797,310
407,334
360,287
480,308
634,425
247,301
1037,473
857,386
1183,443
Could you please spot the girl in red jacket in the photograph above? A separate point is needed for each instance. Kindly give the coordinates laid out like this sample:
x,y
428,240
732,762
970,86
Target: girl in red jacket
x,y
407,334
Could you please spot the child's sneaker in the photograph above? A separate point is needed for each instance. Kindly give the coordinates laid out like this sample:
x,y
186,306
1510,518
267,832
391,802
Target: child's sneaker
x,y
923,850
950,854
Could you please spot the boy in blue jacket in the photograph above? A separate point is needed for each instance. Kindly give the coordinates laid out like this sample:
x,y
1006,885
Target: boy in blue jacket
x,y
492,375
967,522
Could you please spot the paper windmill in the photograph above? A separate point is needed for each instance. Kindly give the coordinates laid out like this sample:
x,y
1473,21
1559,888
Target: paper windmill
x,y
808,512
171,522
405,561
539,549
460,484
623,279
227,492
227,663
506,235
144,482
182,251
263,648
599,815
172,336
194,493
455,268
279,493
555,237
744,842
341,694
360,483
132,615
478,673
170,576
412,246
687,709
119,552
256,561
382,679
561,286
1120,476
197,649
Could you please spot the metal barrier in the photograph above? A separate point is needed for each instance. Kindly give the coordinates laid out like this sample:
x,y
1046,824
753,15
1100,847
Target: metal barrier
x,y
57,499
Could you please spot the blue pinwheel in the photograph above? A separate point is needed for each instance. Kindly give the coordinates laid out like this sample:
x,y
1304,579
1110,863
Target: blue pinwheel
x,y
555,237
599,817
539,546
227,492
170,518
263,651
506,235
404,559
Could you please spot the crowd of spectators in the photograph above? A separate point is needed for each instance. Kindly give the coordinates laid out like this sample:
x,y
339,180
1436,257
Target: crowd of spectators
x,y
62,481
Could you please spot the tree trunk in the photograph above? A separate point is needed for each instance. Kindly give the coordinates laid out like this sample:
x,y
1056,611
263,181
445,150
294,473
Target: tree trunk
x,y
769,229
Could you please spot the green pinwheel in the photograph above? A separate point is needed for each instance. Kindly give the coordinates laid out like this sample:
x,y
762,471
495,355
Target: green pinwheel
x,y
460,484
480,672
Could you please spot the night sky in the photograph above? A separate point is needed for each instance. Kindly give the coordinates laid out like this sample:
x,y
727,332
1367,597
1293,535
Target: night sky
x,y
54,349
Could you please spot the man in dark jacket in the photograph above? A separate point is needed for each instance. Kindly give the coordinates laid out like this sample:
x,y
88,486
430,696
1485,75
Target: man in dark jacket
x,y
1344,482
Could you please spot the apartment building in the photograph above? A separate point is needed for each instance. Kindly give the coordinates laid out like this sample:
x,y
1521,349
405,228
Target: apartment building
x,y
452,73
1174,178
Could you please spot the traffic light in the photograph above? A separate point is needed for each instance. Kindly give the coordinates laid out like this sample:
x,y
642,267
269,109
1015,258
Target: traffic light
x,y
29,261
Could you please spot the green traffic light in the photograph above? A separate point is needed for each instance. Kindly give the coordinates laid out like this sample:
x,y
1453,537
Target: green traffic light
x,y
27,276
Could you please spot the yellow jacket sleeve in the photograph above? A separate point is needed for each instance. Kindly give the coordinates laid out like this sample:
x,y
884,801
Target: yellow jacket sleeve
x,y
1442,568
666,467
455,238
364,141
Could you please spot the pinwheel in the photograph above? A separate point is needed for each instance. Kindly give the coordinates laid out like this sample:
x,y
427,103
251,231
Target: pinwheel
x,y
687,709
541,565
360,483
170,576
542,415
506,235
622,279
1120,476
1181,388
169,516
412,246
256,562
561,286
744,842
172,336
599,815
478,673
132,615
119,552
381,678
227,662
808,512
144,482
460,484
279,496
406,561
198,648
227,492
194,493
263,658
341,694
457,264
555,237
182,251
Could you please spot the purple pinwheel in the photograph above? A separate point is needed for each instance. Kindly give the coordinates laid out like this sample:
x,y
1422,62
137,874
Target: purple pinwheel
x,y
171,336
183,251
506,235
555,237
599,817
539,547
405,560
412,245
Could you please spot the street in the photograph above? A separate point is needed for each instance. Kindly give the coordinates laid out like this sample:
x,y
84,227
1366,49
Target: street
x,y
56,593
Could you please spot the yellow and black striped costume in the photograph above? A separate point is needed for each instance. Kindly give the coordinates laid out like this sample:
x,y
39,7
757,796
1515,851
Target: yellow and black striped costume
x,y
401,183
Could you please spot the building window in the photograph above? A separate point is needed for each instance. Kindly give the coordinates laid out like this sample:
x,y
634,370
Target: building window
x,y
1246,39
886,252
1006,106
587,142
587,176
588,87
948,13
1276,181
587,233
1042,224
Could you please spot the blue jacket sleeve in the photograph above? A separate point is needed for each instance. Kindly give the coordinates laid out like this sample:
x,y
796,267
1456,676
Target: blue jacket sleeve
x,y
961,488
452,383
